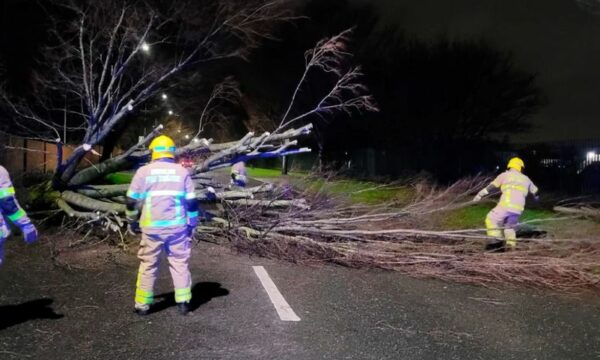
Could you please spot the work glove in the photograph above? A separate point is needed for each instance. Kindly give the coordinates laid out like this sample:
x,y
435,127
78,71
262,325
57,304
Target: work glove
x,y
211,194
134,228
30,233
480,195
191,225
190,231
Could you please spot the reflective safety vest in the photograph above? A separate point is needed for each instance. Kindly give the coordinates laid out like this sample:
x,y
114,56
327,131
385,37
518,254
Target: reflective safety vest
x,y
514,186
162,188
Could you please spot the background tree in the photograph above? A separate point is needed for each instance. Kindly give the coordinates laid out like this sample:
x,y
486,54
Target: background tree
x,y
451,98
114,63
108,58
459,98
592,6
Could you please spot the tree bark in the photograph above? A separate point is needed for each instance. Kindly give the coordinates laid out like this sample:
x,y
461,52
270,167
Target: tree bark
x,y
88,203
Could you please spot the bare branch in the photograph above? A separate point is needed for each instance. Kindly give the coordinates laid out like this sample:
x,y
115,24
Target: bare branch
x,y
226,91
348,94
101,58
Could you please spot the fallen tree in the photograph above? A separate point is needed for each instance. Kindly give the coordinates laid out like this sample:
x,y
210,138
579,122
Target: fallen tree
x,y
97,63
396,237
98,60
583,210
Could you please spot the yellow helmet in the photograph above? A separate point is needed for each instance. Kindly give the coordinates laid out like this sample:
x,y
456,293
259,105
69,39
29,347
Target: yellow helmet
x,y
162,147
516,163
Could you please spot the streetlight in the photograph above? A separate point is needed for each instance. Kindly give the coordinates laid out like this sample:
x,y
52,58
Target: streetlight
x,y
187,137
164,96
145,47
591,155
170,112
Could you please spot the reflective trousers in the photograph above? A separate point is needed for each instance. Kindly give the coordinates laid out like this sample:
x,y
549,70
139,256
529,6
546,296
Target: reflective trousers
x,y
177,248
501,219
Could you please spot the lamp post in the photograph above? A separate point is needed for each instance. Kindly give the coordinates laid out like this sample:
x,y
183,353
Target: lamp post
x,y
146,50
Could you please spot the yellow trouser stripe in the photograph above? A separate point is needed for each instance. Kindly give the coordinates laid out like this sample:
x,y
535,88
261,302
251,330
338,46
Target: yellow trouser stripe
x,y
511,237
183,295
143,296
492,230
18,215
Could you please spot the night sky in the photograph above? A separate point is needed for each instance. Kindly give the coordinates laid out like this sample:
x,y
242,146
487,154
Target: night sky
x,y
22,32
556,39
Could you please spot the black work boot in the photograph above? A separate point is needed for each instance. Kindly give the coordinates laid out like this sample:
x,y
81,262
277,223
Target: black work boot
x,y
142,310
183,308
495,246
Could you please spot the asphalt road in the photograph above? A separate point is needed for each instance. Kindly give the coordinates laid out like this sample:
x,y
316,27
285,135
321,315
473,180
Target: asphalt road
x,y
48,312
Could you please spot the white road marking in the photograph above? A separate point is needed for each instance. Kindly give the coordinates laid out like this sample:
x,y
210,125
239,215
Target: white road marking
x,y
283,309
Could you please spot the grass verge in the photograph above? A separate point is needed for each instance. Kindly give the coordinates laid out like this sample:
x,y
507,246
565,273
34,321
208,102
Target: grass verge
x,y
474,216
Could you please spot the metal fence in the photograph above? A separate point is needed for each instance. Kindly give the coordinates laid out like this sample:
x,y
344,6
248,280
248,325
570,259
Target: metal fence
x,y
564,166
571,167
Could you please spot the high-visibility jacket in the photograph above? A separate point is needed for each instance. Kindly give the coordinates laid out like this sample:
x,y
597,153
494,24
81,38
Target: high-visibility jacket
x,y
9,206
165,193
514,186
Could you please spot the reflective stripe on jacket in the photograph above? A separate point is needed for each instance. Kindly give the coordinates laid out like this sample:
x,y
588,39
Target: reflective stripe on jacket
x,y
514,186
162,188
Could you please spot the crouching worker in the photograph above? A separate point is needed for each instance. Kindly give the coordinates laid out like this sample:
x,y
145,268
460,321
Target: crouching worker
x,y
238,174
514,186
163,192
10,208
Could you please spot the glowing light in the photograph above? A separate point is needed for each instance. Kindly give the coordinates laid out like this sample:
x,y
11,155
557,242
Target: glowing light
x,y
164,96
170,112
591,155
145,47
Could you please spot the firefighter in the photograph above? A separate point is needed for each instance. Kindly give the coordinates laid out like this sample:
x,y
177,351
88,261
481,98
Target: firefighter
x,y
238,174
514,186
10,208
162,192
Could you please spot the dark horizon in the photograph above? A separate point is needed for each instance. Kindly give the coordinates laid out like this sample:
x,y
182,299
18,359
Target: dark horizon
x,y
554,39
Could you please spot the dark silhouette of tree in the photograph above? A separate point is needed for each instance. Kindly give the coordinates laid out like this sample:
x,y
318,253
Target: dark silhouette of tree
x,y
593,6
439,100
446,100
